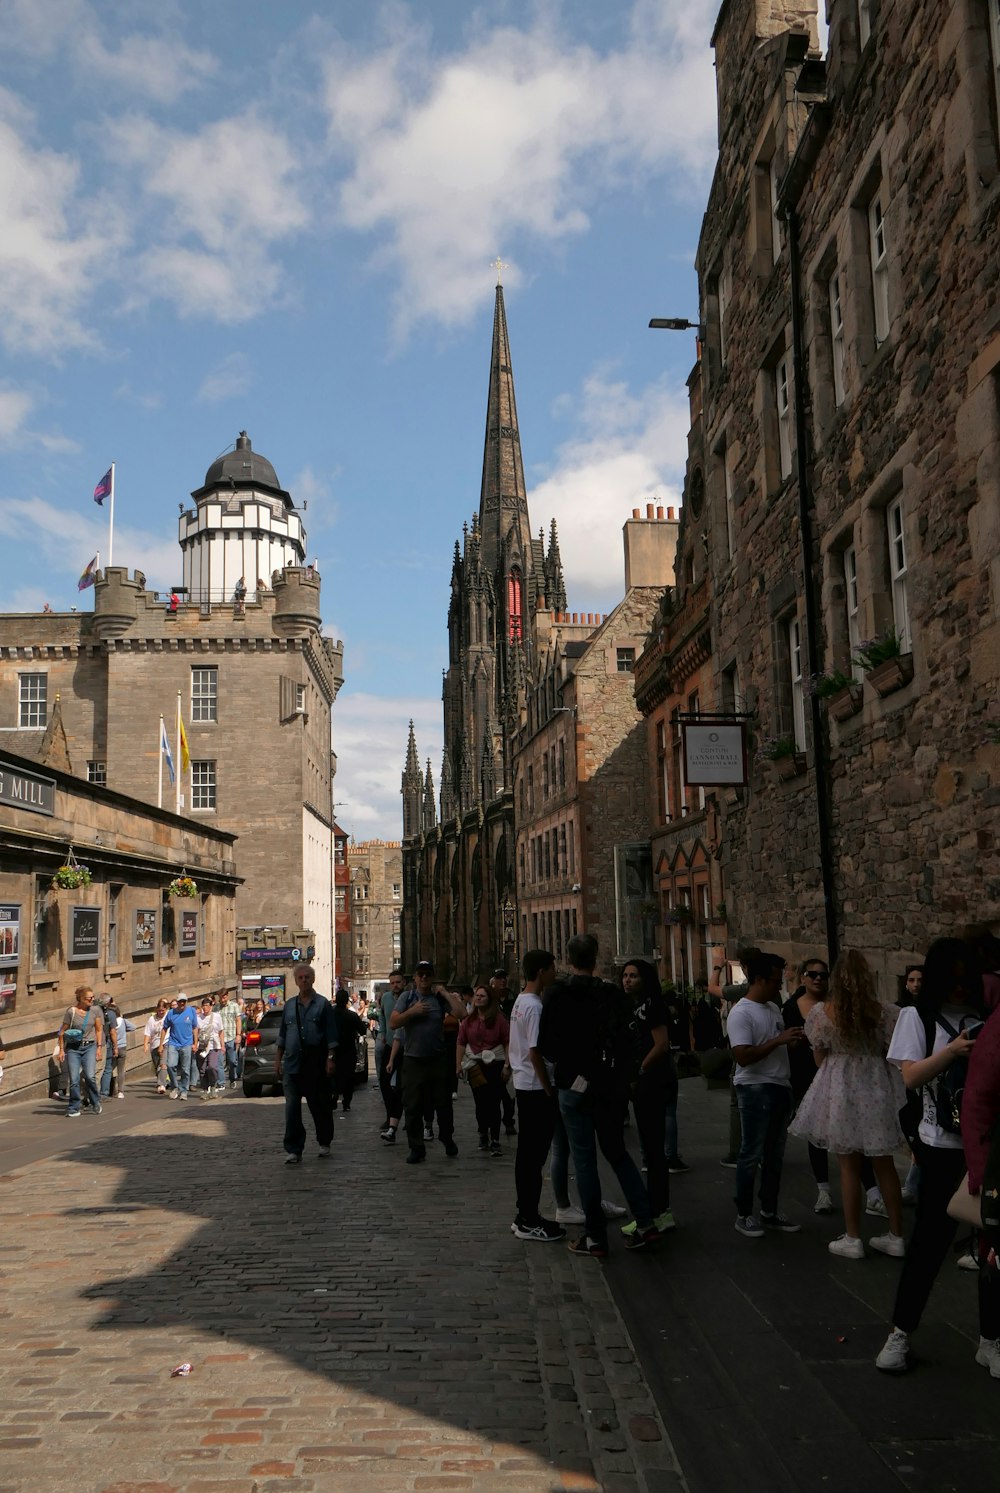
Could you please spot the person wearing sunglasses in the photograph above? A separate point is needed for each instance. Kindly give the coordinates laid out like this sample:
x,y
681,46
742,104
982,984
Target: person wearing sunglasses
x,y
810,990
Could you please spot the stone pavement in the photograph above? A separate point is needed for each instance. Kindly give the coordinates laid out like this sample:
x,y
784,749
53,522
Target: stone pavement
x,y
353,1325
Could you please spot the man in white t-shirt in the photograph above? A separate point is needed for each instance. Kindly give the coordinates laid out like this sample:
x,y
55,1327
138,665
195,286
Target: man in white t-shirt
x,y
537,1107
760,1042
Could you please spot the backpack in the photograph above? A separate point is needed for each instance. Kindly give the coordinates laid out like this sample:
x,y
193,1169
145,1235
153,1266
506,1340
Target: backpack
x,y
947,1089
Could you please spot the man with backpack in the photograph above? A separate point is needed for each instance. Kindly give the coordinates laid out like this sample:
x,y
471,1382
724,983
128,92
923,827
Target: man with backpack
x,y
418,1016
584,1032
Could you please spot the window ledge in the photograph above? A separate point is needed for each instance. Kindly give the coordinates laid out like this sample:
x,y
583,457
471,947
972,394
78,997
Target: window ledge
x,y
118,971
883,353
41,981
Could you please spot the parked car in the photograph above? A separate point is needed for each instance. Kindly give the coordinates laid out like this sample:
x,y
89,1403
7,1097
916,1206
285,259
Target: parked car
x,y
262,1051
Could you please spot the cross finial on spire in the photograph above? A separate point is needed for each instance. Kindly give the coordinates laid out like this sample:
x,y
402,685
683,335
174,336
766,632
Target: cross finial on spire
x,y
499,265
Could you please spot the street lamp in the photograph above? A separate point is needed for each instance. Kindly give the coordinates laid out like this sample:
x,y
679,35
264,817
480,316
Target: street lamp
x,y
678,324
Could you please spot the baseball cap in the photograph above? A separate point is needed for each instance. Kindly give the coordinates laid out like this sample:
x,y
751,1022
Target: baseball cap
x,y
181,995
425,967
499,974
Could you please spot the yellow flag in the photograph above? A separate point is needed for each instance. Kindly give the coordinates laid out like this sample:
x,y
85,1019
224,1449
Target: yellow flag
x,y
185,754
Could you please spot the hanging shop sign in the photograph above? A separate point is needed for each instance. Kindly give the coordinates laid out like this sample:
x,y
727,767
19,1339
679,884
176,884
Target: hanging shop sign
x,y
10,934
715,752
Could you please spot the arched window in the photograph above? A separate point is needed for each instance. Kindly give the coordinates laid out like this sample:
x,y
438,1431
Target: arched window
x,y
515,622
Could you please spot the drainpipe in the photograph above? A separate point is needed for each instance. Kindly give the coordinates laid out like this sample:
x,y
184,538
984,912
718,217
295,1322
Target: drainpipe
x,y
821,768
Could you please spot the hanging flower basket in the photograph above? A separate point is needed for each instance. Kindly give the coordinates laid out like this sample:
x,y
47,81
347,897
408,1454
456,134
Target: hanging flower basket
x,y
183,886
71,874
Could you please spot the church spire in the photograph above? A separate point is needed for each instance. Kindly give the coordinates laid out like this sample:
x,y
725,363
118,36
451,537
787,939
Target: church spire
x,y
412,789
503,497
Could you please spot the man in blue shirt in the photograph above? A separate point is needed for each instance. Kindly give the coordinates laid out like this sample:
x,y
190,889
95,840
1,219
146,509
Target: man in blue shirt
x,y
419,1013
307,1047
180,1032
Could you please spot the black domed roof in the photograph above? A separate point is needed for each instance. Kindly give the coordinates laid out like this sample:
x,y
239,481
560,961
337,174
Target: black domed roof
x,y
243,467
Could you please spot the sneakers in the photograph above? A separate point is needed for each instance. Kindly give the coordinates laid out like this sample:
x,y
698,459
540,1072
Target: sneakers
x,y
412,1157
389,1136
484,1143
642,1237
428,1132
587,1246
662,1223
780,1223
121,1094
72,1114
967,1261
98,1109
729,1161
893,1358
182,1096
875,1206
988,1356
824,1202
613,1210
749,1227
450,1148
324,1151
160,1088
889,1244
542,1232
677,1167
496,1149
570,1215
847,1248
909,1196
293,1160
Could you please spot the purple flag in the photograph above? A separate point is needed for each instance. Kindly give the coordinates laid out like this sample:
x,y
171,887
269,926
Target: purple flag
x,y
89,577
103,488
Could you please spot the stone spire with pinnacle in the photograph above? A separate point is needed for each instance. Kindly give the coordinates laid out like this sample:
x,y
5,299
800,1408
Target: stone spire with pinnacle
x,y
503,499
430,807
412,789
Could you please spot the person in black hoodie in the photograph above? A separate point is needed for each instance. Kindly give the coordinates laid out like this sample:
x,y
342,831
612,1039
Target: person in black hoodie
x,y
584,1032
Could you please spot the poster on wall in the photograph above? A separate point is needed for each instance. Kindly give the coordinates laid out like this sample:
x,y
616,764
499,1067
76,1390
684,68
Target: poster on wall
x,y
10,933
272,989
84,933
188,943
8,996
144,931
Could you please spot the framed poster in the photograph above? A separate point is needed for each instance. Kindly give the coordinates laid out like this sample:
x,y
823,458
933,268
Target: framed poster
x,y
10,934
715,753
272,989
144,931
188,942
84,933
8,997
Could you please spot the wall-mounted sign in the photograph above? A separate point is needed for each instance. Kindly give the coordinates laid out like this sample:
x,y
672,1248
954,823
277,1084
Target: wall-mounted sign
x,y
84,933
188,939
254,956
26,790
144,931
272,988
10,933
8,997
715,753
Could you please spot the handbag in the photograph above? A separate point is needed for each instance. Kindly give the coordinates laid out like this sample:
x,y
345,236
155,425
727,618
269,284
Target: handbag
x,y
965,1207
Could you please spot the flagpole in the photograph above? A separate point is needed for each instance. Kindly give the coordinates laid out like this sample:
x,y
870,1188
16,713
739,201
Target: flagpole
x,y
159,753
177,764
111,517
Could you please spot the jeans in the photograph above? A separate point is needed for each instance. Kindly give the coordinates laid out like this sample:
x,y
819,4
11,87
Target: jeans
x,y
159,1067
82,1061
312,1084
208,1068
108,1073
650,1104
591,1123
232,1063
536,1122
179,1067
427,1087
559,1160
765,1109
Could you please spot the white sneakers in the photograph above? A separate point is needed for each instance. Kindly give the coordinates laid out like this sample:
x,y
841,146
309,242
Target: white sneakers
x,y
847,1248
576,1215
988,1356
889,1244
824,1202
893,1358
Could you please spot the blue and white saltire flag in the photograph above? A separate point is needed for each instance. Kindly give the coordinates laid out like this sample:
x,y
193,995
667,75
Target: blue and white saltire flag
x,y
165,750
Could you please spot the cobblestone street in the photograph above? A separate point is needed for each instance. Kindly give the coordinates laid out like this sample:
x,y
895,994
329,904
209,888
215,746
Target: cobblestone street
x,y
353,1325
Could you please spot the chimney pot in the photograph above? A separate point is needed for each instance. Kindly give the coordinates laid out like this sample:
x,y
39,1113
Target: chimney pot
x,y
576,617
659,512
649,510
635,513
672,514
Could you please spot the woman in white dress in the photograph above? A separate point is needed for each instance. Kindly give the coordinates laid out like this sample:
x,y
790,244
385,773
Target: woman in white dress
x,y
852,1106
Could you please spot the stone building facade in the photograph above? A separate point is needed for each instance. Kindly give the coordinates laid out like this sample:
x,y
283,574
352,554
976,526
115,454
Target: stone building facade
x,y
850,287
581,804
376,896
246,664
122,932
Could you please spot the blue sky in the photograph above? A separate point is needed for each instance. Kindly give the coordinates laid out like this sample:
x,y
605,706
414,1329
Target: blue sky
x,y
283,217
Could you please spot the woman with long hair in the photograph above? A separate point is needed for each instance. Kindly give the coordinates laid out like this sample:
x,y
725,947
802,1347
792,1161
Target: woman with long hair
x,y
654,1084
481,1055
852,1105
810,990
929,1039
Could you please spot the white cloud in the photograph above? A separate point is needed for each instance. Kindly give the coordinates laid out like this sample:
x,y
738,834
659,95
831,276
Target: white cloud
x,y
369,736
217,200
511,141
49,261
15,406
316,490
67,538
227,379
625,450
144,399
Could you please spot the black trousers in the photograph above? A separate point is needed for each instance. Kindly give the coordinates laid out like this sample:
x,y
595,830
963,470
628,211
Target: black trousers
x,y
933,1231
392,1093
427,1086
486,1097
311,1084
343,1081
536,1122
649,1101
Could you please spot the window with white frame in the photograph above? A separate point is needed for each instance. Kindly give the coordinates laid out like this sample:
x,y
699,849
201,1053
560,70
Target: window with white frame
x,y
837,338
772,191
33,706
879,263
864,22
783,408
851,606
625,660
97,772
795,682
897,573
203,785
205,694
727,468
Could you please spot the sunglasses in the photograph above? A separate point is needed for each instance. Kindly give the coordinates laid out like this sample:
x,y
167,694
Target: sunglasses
x,y
816,974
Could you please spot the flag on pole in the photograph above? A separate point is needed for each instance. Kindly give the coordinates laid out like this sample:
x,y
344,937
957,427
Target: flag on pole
x,y
89,575
104,488
165,750
185,754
